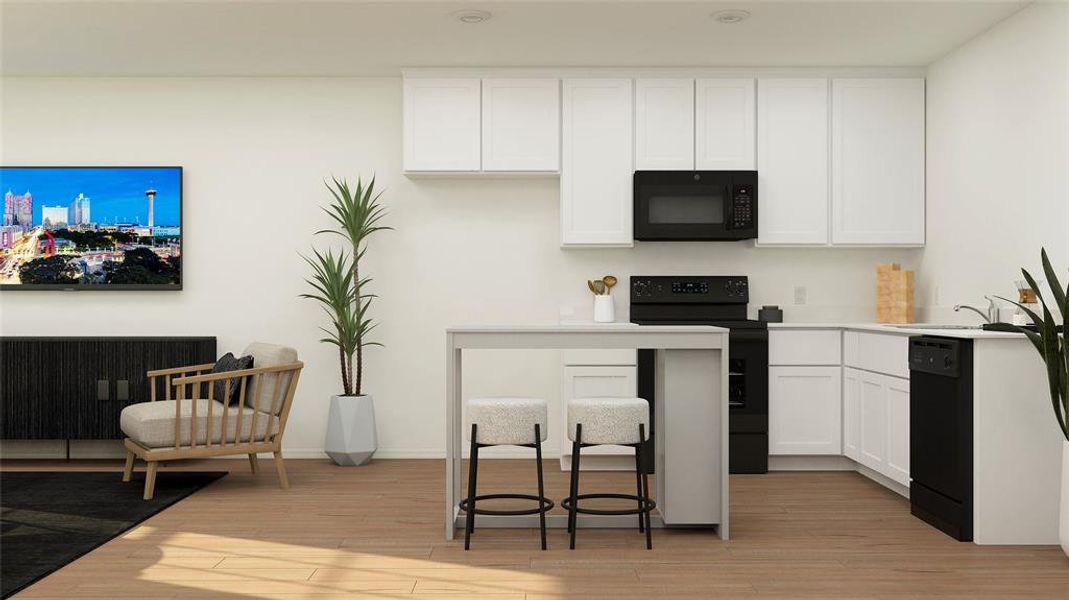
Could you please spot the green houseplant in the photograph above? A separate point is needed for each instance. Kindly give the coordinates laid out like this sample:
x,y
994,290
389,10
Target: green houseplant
x,y
341,291
1054,350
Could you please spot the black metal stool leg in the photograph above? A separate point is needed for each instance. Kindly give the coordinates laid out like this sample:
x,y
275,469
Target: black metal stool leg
x,y
473,473
638,485
645,514
577,448
541,484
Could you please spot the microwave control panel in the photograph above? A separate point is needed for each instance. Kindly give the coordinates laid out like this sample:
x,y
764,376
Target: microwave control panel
x,y
742,207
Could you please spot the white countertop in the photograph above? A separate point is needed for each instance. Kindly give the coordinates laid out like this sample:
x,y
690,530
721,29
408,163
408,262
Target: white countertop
x,y
586,327
923,329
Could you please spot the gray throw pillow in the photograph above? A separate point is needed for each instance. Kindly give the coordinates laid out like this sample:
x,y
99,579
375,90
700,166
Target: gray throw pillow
x,y
229,363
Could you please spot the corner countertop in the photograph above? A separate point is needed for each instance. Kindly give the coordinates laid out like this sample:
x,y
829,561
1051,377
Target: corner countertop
x,y
917,329
585,327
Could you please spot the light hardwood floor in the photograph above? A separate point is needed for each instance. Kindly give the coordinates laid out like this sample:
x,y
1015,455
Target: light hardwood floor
x,y
375,532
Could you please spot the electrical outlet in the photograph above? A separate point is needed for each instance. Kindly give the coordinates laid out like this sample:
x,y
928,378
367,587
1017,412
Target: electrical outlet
x,y
800,294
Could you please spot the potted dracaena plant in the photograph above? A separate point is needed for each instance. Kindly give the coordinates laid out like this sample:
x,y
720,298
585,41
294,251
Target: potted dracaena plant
x,y
1052,347
341,291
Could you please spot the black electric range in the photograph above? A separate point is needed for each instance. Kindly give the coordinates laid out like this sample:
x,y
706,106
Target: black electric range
x,y
722,302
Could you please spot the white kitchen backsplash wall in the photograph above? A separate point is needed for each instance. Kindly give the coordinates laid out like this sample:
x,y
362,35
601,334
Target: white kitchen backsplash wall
x,y
255,152
998,162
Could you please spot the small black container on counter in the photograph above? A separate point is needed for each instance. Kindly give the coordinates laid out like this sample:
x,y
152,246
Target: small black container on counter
x,y
770,314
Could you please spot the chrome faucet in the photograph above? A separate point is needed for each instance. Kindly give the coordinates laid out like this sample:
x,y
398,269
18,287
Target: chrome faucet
x,y
991,316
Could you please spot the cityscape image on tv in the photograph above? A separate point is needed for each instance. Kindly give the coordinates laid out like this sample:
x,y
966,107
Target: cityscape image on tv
x,y
92,226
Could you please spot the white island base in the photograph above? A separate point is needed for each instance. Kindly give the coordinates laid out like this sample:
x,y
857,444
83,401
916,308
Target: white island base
x,y
691,417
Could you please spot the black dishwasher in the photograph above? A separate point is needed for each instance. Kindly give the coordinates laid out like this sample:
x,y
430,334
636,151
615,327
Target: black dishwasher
x,y
941,433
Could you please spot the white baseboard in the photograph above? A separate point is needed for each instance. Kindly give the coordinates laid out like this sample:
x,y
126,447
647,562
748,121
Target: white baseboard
x,y
810,463
883,480
834,463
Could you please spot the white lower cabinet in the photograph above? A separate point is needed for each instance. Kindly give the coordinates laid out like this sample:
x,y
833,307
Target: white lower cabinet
x,y
804,410
897,429
851,413
590,382
877,436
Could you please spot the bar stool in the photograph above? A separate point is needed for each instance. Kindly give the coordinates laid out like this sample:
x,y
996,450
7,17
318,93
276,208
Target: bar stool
x,y
505,422
618,421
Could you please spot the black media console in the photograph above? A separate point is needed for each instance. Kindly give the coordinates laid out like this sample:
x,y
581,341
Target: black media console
x,y
73,388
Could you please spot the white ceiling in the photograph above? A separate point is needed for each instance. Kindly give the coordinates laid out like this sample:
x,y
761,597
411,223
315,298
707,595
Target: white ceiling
x,y
308,37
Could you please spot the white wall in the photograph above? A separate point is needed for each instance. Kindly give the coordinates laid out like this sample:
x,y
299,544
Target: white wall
x,y
998,160
255,152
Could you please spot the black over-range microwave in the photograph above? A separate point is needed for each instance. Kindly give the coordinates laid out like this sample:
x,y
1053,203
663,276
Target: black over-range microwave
x,y
695,205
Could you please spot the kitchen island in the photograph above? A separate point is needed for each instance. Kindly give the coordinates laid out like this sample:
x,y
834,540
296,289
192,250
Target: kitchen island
x,y
691,424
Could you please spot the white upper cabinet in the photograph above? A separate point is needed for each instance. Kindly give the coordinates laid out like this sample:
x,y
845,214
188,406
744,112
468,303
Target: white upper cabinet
x,y
521,125
878,161
724,117
792,161
596,163
441,124
664,124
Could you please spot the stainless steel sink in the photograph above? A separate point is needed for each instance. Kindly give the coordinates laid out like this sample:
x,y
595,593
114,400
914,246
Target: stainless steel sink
x,y
931,326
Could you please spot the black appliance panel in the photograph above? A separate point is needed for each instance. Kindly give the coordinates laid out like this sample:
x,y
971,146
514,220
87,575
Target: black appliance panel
x,y
941,426
695,205
718,301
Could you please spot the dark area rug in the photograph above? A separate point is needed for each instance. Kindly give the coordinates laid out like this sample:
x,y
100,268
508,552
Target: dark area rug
x,y
48,519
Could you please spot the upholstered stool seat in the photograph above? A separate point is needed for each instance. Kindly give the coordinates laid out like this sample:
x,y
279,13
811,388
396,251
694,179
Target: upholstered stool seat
x,y
608,420
507,421
617,421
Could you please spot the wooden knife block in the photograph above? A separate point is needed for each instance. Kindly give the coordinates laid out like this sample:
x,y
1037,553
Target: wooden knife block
x,y
894,294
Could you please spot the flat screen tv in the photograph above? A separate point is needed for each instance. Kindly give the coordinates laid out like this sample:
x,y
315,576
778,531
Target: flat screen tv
x,y
91,228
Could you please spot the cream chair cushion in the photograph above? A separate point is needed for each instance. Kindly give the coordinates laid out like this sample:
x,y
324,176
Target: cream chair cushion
x,y
151,424
506,421
609,420
272,387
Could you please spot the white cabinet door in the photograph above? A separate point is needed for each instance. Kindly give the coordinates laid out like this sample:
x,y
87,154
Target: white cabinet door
x,y
441,124
851,413
596,168
897,395
877,161
724,122
664,124
804,410
792,161
872,406
591,382
521,125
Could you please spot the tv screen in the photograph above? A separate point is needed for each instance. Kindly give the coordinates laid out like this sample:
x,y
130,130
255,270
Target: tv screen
x,y
91,228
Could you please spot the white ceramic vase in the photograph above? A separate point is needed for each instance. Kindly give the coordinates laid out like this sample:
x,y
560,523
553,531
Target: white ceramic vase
x,y
604,310
1063,517
351,437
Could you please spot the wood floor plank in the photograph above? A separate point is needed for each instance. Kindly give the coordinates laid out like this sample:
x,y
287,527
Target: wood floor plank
x,y
375,532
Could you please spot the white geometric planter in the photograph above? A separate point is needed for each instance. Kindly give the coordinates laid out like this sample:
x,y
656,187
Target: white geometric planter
x,y
351,437
1063,524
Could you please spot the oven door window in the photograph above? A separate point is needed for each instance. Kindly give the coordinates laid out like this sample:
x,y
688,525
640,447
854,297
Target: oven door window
x,y
685,205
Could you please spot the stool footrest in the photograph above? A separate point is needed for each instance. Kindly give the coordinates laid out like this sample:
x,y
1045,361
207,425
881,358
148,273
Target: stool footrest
x,y
647,504
545,504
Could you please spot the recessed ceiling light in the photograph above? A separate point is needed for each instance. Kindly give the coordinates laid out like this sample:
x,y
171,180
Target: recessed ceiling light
x,y
731,16
471,16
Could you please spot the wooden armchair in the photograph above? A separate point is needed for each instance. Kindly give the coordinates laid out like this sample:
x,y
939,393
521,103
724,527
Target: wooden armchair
x,y
191,422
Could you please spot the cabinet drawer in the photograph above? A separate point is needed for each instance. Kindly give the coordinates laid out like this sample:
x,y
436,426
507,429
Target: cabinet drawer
x,y
886,353
805,347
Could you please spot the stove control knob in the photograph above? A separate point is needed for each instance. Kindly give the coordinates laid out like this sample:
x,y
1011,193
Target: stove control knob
x,y
640,287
